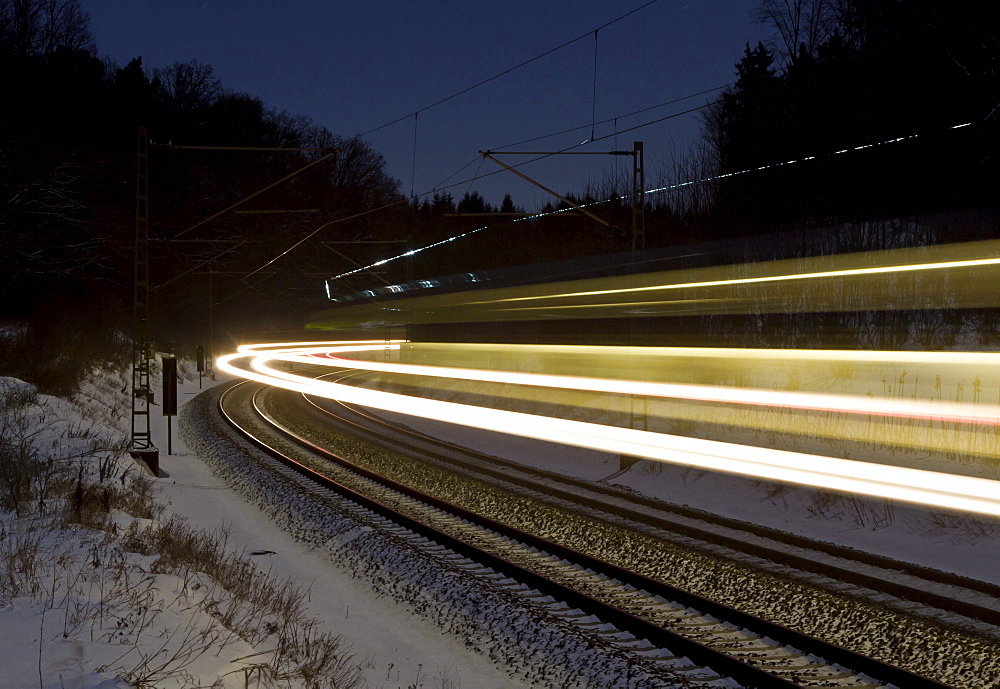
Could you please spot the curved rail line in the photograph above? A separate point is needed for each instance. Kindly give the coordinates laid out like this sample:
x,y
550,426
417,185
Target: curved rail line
x,y
780,557
729,641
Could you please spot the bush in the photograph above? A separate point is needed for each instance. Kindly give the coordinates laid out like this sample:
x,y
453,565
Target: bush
x,y
55,347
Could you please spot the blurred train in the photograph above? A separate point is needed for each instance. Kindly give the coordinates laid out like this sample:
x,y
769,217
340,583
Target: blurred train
x,y
782,291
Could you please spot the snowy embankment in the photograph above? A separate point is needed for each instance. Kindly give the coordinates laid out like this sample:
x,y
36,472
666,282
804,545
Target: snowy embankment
x,y
101,587
118,579
441,597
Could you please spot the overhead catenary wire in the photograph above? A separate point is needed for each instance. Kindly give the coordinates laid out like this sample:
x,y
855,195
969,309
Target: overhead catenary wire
x,y
478,169
526,162
507,71
440,185
446,99
820,60
658,190
383,207
448,240
450,186
593,124
615,118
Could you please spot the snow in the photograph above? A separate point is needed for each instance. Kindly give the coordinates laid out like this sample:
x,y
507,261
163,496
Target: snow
x,y
394,643
527,639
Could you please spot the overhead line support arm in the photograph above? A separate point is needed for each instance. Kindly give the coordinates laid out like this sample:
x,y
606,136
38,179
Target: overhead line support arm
x,y
562,153
486,154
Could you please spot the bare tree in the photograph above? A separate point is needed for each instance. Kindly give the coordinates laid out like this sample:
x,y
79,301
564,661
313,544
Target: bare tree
x,y
358,167
189,86
802,25
688,178
39,27
43,227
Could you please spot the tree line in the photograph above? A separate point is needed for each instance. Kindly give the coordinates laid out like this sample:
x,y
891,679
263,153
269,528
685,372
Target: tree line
x,y
840,75
841,78
68,155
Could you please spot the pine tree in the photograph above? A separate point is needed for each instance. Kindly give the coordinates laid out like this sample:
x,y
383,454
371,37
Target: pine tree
x,y
507,205
474,203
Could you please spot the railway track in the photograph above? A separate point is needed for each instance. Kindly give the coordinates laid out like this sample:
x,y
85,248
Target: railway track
x,y
861,572
645,617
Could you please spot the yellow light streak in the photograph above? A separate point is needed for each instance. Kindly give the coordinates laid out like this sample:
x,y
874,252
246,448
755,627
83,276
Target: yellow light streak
x,y
943,358
298,346
930,439
932,488
849,404
881,270
950,276
623,304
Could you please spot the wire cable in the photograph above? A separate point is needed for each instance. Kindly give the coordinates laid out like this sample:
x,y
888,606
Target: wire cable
x,y
613,119
593,101
658,190
527,162
450,186
509,69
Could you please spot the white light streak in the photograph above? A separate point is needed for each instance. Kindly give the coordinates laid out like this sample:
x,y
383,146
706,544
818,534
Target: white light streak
x,y
847,404
932,488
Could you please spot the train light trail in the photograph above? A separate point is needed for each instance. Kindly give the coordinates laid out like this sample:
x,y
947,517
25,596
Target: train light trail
x,y
850,272
933,488
937,277
846,404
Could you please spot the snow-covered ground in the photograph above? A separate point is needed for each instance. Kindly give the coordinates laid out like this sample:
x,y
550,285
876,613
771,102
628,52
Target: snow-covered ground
x,y
395,647
161,629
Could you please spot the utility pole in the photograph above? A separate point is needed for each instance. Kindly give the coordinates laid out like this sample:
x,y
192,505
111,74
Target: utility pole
x,y
141,446
142,395
638,417
638,407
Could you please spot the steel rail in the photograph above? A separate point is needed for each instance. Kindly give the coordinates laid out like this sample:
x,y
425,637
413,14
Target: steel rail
x,y
723,663
874,583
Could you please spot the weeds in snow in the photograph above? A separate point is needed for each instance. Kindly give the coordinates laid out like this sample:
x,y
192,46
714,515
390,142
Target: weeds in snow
x,y
79,536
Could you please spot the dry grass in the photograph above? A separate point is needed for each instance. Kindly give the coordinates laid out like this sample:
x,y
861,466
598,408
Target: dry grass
x,y
59,546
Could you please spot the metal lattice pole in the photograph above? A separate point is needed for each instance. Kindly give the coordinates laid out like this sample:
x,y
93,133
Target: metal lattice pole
x,y
638,407
142,394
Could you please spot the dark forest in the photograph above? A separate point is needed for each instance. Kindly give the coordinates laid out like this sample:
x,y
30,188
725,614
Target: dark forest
x,y
864,95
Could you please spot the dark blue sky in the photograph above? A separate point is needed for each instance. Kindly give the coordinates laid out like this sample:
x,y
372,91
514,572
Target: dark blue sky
x,y
353,66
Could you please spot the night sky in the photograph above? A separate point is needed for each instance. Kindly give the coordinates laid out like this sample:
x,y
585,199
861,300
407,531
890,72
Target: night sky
x,y
355,66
